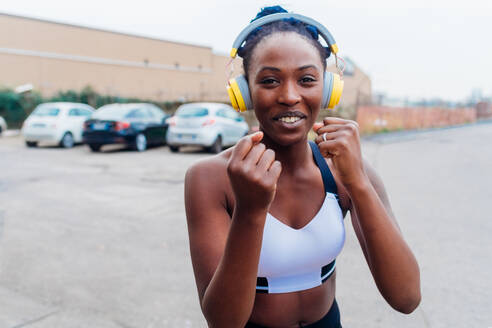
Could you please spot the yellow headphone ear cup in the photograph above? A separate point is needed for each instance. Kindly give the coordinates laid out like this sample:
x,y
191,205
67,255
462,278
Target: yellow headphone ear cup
x,y
238,97
232,98
336,93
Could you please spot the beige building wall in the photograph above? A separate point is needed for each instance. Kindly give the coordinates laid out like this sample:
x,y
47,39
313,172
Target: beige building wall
x,y
357,89
54,57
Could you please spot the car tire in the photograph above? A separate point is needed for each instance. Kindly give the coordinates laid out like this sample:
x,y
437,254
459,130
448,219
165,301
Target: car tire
x,y
95,147
67,140
0,131
216,146
140,143
31,144
174,149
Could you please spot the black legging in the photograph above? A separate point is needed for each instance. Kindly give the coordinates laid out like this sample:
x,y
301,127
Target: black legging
x,y
330,320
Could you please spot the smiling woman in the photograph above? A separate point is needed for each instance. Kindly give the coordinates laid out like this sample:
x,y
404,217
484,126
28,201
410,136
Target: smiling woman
x,y
265,218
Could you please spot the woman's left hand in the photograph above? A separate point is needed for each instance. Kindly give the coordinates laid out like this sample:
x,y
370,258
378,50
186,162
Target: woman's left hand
x,y
342,145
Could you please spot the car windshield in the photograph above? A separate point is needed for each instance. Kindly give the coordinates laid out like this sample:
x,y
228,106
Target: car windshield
x,y
192,111
111,112
46,111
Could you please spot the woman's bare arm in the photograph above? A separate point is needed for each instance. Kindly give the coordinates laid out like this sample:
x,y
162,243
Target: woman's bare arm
x,y
225,251
392,263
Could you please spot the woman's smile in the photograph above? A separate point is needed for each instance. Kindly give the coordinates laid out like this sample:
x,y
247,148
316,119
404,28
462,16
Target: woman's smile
x,y
290,119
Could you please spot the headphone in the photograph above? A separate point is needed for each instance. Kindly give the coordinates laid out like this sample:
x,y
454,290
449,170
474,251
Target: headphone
x,y
238,88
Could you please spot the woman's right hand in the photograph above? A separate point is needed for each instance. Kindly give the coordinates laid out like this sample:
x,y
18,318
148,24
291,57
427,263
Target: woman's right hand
x,y
253,172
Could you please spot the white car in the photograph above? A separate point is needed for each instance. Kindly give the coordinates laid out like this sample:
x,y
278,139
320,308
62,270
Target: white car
x,y
3,125
210,125
56,123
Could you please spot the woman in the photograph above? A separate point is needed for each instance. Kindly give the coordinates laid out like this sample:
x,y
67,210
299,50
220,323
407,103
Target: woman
x,y
265,218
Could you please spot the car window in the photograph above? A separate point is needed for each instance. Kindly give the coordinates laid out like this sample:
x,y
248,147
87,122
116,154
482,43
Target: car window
x,y
192,111
73,112
230,114
150,112
84,112
220,113
137,113
111,112
46,111
157,112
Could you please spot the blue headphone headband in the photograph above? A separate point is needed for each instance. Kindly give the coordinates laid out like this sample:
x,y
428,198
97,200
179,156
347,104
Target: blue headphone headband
x,y
280,16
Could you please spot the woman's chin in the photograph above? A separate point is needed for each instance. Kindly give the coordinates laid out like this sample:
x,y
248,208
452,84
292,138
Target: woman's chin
x,y
286,139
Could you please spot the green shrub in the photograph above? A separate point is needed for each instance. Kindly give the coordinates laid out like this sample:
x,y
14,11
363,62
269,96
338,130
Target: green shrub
x,y
15,108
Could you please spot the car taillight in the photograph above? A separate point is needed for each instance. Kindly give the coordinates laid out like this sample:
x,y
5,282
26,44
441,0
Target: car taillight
x,y
171,121
121,126
210,121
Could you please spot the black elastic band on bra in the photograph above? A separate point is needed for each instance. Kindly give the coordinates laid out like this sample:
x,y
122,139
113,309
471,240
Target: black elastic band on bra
x,y
326,272
328,180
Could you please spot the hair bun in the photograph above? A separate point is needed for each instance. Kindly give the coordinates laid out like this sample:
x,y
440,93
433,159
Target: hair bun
x,y
265,11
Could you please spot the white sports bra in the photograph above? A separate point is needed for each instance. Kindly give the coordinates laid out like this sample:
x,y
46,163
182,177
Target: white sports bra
x,y
298,259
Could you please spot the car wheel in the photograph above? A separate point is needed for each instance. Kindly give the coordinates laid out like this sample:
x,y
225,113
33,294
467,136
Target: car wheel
x,y
174,149
95,147
140,142
0,130
216,146
31,144
67,140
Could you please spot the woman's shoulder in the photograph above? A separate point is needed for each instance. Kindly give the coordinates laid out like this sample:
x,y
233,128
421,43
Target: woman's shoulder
x,y
209,175
207,187
209,168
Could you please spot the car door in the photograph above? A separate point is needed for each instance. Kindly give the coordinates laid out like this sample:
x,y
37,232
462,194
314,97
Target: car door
x,y
74,123
224,126
154,130
83,115
159,122
236,130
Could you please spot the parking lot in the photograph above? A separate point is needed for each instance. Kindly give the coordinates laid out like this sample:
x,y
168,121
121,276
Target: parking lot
x,y
99,239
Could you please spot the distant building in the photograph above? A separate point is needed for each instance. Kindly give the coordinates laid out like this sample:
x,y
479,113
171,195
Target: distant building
x,y
51,56
357,90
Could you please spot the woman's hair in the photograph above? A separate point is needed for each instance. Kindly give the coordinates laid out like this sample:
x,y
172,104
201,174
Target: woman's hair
x,y
308,32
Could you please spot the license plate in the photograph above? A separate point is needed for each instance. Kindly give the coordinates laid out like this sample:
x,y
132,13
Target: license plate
x,y
38,125
187,136
99,126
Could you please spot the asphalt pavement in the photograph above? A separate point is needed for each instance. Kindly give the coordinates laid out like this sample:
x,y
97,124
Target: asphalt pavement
x,y
100,240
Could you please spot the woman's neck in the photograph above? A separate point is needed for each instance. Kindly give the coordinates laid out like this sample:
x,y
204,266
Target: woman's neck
x,y
293,156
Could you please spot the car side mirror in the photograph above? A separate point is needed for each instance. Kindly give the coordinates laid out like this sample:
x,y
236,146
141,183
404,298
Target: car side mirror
x,y
240,119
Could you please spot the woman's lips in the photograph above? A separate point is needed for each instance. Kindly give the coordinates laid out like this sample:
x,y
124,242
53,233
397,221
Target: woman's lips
x,y
289,122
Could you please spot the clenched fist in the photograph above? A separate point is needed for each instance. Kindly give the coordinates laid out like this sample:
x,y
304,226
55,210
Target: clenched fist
x,y
339,140
253,172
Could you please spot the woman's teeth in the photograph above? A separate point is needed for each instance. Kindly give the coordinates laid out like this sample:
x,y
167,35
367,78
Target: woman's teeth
x,y
289,119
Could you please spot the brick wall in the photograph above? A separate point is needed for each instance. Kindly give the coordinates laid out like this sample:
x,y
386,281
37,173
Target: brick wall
x,y
484,110
378,118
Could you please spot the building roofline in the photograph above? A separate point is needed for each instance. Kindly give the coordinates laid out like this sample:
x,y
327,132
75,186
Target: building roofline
x,y
102,30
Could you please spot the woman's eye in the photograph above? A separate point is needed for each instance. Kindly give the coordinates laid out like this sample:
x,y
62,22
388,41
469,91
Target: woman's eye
x,y
308,79
268,81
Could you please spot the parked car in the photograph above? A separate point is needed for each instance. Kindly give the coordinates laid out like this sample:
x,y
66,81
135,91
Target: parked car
x,y
136,125
210,125
59,123
3,125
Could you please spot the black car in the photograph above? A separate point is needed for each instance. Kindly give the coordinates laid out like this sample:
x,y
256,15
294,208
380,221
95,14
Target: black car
x,y
136,125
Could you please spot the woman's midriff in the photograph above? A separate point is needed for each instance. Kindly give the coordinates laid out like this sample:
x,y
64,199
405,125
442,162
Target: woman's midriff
x,y
289,309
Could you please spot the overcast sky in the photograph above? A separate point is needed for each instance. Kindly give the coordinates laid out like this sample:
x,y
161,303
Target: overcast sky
x,y
418,48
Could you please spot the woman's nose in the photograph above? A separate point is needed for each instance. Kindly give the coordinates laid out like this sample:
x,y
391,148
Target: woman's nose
x,y
289,95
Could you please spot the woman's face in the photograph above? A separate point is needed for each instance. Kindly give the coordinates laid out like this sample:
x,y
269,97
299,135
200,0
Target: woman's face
x,y
286,85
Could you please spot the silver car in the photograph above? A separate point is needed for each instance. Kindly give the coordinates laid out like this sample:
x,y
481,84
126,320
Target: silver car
x,y
210,125
3,125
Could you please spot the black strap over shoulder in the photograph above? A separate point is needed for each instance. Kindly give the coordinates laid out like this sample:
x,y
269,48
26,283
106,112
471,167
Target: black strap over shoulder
x,y
328,180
